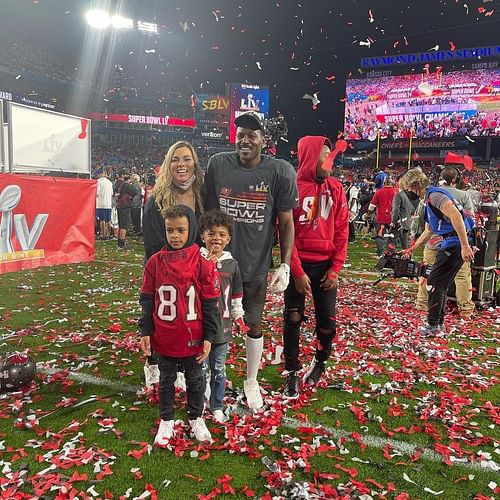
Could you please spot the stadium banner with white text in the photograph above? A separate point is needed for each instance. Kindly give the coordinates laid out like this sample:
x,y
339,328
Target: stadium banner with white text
x,y
45,221
163,121
438,56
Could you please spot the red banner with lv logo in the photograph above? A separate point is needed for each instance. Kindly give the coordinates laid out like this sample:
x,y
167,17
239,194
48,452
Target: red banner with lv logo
x,y
45,221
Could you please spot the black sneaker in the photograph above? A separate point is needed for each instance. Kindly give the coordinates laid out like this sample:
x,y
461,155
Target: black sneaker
x,y
311,378
291,390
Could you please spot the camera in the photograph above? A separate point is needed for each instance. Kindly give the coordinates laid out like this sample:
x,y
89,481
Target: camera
x,y
402,268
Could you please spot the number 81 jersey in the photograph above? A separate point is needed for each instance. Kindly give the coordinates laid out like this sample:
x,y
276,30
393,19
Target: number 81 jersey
x,y
179,281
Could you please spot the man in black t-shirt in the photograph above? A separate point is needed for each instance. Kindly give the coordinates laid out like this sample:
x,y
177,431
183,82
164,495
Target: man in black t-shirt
x,y
254,189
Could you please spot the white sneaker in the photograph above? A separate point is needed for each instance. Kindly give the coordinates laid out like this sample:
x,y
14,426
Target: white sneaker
x,y
219,416
253,395
165,432
152,374
199,430
180,381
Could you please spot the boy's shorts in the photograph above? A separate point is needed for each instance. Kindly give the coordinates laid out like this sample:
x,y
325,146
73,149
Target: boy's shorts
x,y
103,214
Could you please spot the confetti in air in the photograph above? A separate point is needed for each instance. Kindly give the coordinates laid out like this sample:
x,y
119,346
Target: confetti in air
x,y
314,99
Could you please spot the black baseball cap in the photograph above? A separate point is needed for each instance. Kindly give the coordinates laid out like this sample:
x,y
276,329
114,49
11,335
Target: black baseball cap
x,y
250,120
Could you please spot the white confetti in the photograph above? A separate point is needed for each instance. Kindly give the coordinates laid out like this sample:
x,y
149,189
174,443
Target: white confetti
x,y
314,99
432,492
92,491
406,478
258,64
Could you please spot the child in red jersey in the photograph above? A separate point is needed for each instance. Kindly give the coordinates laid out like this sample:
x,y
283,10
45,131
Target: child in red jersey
x,y
319,252
180,318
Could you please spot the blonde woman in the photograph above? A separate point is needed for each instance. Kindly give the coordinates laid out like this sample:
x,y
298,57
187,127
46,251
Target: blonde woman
x,y
179,182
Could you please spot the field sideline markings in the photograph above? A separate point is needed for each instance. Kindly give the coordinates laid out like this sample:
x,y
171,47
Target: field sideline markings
x,y
371,441
90,379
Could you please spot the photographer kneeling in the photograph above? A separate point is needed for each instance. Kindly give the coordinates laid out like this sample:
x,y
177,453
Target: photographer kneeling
x,y
450,226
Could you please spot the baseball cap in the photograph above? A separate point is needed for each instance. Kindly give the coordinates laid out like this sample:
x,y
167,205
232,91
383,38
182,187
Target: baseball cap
x,y
250,120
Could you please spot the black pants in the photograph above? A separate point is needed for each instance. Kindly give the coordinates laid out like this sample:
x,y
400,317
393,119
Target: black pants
x,y
352,231
195,386
324,311
444,270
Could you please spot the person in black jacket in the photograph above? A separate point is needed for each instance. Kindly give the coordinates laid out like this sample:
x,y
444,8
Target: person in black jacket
x,y
180,181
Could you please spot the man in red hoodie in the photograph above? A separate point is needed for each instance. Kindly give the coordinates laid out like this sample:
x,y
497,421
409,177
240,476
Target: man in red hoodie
x,y
319,252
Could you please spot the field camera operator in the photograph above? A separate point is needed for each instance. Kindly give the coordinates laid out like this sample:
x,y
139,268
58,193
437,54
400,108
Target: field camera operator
x,y
449,221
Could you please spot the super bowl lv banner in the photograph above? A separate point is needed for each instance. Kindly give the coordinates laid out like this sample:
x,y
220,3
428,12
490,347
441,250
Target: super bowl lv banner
x,y
45,221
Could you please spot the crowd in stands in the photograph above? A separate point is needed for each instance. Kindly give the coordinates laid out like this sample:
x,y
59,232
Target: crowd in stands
x,y
359,90
142,159
123,86
21,57
424,106
363,126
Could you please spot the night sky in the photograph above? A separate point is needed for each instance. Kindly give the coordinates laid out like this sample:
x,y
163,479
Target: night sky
x,y
294,47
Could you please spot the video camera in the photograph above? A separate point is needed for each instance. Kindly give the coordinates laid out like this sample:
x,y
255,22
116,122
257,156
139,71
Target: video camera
x,y
402,268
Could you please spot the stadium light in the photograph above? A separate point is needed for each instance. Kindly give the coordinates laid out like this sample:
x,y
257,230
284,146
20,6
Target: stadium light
x,y
120,22
98,19
147,27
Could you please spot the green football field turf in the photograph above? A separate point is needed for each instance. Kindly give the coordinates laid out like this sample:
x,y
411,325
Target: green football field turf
x,y
396,415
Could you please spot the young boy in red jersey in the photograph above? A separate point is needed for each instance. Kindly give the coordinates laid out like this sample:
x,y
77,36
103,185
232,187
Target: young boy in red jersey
x,y
180,318
320,249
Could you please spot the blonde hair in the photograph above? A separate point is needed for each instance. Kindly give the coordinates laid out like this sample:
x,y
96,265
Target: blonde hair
x,y
414,179
165,191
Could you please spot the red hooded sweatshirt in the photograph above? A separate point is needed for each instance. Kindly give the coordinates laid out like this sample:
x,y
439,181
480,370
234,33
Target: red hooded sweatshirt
x,y
322,217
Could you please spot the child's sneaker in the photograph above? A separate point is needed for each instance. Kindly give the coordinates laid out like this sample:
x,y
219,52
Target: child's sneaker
x,y
313,375
219,416
165,433
152,374
199,430
253,395
180,381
